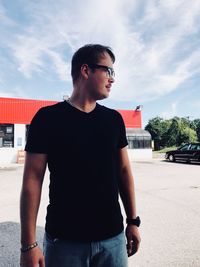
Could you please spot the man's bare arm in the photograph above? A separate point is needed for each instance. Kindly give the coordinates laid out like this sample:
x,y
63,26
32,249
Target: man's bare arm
x,y
127,193
35,166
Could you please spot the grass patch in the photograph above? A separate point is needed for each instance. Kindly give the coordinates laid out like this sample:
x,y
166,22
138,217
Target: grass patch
x,y
166,149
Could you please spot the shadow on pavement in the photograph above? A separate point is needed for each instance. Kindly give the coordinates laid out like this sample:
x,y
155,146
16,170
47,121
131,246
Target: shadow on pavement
x,y
10,243
182,162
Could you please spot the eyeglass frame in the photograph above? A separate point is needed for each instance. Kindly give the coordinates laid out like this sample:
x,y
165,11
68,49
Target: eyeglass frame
x,y
110,71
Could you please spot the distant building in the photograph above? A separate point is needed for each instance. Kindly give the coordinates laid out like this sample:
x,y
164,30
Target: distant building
x,y
16,115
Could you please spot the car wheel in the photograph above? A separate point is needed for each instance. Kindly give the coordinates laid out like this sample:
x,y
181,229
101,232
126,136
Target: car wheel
x,y
171,157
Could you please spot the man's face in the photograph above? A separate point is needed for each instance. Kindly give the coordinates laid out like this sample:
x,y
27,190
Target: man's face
x,y
100,78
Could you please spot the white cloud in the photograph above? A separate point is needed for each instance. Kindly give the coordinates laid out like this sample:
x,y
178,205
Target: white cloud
x,y
171,112
196,104
14,92
157,69
4,19
155,42
61,67
28,51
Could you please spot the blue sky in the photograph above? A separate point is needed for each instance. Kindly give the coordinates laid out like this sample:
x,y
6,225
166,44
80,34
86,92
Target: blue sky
x,y
156,43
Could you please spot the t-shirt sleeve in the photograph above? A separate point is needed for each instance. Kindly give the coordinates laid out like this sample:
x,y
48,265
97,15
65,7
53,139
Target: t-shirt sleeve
x,y
37,141
122,136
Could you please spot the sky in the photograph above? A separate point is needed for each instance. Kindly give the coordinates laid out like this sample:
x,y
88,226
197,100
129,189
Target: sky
x,y
156,44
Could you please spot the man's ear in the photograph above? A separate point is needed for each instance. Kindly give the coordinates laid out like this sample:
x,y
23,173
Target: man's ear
x,y
85,71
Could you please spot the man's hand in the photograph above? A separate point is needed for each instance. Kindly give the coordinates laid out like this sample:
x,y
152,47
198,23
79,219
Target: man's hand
x,y
32,258
133,239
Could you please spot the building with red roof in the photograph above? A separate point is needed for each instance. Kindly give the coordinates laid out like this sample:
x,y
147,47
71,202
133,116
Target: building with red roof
x,y
17,113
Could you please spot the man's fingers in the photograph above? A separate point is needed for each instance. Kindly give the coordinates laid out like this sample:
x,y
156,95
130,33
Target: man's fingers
x,y
42,263
133,239
132,247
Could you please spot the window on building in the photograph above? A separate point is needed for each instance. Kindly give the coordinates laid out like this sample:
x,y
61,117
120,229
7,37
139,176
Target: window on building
x,y
6,135
138,139
27,129
138,143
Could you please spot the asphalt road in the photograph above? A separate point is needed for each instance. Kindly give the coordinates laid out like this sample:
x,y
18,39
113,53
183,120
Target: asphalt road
x,y
168,202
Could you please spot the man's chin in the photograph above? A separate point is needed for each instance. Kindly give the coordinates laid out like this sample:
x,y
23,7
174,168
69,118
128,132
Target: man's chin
x,y
103,96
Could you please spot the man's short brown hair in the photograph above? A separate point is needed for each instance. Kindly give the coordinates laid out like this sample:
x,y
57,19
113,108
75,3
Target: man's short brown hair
x,y
88,54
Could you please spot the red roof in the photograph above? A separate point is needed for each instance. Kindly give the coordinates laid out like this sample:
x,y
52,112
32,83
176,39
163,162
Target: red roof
x,y
21,111
132,118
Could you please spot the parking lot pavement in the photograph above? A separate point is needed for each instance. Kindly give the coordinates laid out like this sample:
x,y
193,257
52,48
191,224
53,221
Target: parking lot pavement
x,y
168,201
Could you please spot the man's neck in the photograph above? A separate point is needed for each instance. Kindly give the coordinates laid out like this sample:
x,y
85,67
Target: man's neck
x,y
81,103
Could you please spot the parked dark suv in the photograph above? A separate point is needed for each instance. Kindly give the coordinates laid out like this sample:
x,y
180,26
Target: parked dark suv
x,y
188,152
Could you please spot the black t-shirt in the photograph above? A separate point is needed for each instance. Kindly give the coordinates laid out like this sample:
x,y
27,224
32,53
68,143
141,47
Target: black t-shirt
x,y
82,152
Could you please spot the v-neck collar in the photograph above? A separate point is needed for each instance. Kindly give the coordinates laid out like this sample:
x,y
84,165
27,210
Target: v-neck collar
x,y
81,111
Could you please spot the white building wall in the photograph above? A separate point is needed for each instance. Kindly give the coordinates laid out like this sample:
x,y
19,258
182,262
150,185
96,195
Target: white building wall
x,y
19,136
140,154
9,154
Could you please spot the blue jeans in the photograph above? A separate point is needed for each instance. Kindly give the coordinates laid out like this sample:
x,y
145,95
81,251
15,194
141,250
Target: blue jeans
x,y
106,253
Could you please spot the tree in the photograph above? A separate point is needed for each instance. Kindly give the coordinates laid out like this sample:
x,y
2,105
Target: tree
x,y
173,132
188,131
195,125
157,128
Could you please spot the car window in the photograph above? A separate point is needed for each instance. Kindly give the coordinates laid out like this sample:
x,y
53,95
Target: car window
x,y
184,147
193,147
198,147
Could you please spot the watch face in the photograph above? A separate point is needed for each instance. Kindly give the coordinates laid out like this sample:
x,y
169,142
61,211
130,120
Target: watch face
x,y
138,221
135,221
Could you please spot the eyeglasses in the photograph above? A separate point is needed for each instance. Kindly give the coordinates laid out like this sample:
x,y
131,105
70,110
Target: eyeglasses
x,y
109,71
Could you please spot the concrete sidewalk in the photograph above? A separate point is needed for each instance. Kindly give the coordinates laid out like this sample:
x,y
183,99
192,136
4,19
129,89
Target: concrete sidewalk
x,y
168,201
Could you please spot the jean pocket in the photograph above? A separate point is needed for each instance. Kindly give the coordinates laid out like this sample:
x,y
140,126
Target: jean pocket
x,y
49,239
118,240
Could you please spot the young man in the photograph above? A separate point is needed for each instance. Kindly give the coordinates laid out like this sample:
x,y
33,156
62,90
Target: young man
x,y
84,145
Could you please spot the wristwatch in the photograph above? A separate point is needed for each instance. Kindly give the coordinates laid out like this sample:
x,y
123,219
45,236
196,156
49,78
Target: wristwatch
x,y
135,221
